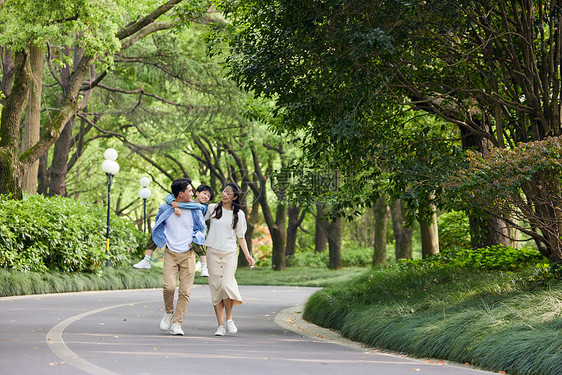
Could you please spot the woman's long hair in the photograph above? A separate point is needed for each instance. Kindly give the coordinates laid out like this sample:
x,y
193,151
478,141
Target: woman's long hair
x,y
217,213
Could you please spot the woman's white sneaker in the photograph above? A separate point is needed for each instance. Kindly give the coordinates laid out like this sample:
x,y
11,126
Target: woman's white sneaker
x,y
231,327
221,331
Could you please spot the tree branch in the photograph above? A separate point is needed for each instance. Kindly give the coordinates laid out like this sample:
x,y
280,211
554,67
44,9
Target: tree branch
x,y
51,68
143,22
180,165
145,31
143,93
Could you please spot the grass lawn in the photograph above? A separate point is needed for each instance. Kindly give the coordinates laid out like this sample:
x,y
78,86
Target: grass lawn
x,y
317,277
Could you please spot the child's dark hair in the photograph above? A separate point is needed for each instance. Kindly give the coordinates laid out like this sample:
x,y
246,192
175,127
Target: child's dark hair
x,y
206,188
180,185
217,213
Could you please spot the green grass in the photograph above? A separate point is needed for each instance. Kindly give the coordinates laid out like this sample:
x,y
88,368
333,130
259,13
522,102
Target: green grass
x,y
22,283
296,276
496,320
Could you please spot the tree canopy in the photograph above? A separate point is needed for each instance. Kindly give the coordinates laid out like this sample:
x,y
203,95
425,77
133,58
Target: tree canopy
x,y
342,70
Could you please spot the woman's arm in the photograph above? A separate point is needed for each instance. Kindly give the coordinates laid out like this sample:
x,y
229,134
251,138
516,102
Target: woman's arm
x,y
244,247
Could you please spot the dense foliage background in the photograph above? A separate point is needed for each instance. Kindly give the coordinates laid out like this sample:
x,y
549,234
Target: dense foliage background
x,y
61,234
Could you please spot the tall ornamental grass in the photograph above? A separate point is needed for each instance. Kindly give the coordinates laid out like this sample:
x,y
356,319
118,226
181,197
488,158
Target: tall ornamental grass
x,y
490,314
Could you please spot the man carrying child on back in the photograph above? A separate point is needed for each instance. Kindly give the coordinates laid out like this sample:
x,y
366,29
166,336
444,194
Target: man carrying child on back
x,y
176,233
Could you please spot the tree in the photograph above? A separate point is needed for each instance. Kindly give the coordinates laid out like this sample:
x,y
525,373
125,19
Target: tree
x,y
295,217
402,232
32,129
491,68
498,186
320,229
334,237
382,213
100,31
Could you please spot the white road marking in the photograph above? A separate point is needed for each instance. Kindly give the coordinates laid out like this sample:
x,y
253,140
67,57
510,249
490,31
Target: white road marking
x,y
59,347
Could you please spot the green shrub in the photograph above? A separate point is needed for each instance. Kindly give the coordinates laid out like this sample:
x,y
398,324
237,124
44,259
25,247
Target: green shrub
x,y
61,234
353,255
454,230
309,259
492,258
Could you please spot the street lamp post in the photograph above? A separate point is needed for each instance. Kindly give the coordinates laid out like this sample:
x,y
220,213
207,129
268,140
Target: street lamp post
x,y
144,193
110,167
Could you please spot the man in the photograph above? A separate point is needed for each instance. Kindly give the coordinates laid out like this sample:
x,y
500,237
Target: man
x,y
176,233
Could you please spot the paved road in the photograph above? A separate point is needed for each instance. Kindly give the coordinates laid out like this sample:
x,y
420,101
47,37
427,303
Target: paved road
x,y
117,332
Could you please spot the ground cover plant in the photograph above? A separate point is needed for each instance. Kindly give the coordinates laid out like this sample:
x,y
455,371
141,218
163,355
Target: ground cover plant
x,y
462,306
13,283
22,283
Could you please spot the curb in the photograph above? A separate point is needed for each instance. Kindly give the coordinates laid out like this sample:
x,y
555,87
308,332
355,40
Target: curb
x,y
291,319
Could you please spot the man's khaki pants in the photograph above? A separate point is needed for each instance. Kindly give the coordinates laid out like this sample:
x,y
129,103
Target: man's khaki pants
x,y
184,265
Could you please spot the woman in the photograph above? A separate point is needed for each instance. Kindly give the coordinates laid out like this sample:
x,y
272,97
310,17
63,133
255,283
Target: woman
x,y
226,232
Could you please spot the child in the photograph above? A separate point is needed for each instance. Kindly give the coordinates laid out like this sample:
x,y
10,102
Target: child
x,y
203,194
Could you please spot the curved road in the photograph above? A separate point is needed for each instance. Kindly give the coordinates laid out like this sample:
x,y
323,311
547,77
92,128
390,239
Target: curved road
x,y
116,332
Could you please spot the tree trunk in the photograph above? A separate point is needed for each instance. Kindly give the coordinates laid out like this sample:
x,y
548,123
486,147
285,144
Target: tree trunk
x,y
382,213
402,234
429,236
278,257
543,193
276,226
59,164
483,232
43,175
58,169
32,129
11,169
320,239
334,237
295,220
487,231
8,72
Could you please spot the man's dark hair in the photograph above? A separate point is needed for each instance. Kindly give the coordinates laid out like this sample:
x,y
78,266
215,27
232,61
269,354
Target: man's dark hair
x,y
206,188
180,185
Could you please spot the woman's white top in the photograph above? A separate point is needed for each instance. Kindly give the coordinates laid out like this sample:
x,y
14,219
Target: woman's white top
x,y
221,236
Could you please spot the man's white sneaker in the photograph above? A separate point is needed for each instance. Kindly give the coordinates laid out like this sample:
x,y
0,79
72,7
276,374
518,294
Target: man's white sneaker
x,y
221,331
176,329
204,271
230,327
166,322
143,264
